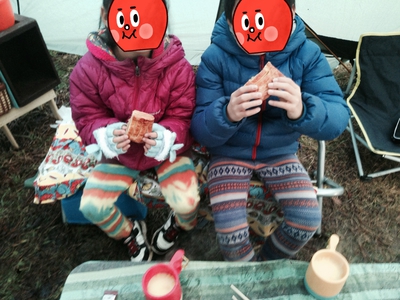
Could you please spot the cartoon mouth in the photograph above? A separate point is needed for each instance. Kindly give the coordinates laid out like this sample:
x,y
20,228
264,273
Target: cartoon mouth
x,y
129,36
256,38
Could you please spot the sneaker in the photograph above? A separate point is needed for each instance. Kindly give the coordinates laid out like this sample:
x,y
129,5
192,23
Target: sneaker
x,y
138,247
164,238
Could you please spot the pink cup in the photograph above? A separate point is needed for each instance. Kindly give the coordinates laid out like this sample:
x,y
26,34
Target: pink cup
x,y
161,281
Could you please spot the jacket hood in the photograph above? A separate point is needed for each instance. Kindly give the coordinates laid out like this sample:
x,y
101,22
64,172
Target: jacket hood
x,y
168,53
224,38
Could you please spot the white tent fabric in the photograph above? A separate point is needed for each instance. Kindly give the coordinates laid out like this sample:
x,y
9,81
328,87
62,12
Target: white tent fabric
x,y
348,19
65,24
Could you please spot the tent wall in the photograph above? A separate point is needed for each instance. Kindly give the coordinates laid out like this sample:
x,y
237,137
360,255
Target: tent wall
x,y
65,24
348,19
338,24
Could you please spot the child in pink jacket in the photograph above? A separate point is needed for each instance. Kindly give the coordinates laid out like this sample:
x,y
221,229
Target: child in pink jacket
x,y
106,85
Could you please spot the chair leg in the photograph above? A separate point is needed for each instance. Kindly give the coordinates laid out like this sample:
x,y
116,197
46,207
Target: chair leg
x,y
350,128
54,109
382,173
320,175
9,136
356,138
332,189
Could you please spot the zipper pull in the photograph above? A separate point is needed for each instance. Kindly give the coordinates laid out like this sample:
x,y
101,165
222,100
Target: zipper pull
x,y
262,62
137,70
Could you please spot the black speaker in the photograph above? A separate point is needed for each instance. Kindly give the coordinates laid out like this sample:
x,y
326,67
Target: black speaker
x,y
25,61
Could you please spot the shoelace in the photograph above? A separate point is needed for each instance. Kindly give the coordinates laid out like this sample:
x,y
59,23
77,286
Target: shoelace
x,y
131,242
171,233
133,247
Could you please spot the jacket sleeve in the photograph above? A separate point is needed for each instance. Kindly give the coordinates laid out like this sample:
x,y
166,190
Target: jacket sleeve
x,y
181,104
89,111
326,113
210,125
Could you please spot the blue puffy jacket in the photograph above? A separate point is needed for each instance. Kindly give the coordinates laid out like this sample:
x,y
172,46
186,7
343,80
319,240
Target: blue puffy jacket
x,y
225,67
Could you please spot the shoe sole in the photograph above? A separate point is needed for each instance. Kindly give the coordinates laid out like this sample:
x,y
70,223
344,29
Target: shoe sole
x,y
153,240
143,229
154,237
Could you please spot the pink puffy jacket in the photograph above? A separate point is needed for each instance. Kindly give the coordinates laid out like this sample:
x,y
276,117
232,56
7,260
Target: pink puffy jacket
x,y
104,90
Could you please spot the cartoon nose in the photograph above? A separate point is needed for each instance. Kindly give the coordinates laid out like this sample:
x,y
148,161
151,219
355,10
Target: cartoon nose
x,y
126,26
251,30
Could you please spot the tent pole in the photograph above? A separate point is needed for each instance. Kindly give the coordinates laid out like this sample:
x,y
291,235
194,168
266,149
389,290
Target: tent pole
x,y
330,51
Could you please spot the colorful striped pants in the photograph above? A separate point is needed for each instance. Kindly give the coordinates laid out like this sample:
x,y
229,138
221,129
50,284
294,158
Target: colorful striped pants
x,y
178,183
228,182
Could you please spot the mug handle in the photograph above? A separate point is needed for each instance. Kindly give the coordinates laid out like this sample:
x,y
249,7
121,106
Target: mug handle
x,y
333,242
176,260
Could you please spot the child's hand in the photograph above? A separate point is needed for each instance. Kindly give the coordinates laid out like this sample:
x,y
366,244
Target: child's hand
x,y
159,143
289,94
149,140
121,138
112,139
244,102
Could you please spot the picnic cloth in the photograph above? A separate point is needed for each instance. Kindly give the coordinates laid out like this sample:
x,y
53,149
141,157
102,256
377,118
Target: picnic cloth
x,y
208,280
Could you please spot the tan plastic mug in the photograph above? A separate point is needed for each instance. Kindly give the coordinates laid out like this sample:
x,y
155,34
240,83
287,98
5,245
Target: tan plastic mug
x,y
327,272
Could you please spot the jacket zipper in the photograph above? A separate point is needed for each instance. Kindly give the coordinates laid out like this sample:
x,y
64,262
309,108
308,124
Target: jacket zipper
x,y
137,83
259,123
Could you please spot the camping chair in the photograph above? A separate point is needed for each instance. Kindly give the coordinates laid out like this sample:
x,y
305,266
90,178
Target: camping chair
x,y
375,98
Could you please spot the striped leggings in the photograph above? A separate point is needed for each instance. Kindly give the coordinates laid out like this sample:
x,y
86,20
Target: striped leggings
x,y
178,183
229,180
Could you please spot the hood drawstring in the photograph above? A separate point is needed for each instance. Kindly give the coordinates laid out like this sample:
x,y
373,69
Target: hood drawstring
x,y
137,71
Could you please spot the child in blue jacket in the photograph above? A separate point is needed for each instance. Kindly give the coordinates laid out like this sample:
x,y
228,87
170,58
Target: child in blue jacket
x,y
246,135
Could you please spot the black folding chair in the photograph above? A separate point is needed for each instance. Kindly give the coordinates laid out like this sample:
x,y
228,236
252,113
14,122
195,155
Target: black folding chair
x,y
375,98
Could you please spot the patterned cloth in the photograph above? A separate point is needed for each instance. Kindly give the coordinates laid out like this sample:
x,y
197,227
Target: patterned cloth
x,y
229,181
65,168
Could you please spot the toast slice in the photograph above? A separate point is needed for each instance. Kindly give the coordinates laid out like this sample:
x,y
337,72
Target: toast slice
x,y
139,124
264,77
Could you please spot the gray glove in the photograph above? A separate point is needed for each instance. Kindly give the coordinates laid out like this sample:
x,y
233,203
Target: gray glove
x,y
164,146
104,137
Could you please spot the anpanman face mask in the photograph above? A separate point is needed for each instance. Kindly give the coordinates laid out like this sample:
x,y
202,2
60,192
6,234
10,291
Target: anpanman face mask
x,y
137,24
262,25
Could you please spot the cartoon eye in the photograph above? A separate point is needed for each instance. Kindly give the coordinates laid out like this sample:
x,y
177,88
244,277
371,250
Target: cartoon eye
x,y
135,18
120,19
245,22
259,21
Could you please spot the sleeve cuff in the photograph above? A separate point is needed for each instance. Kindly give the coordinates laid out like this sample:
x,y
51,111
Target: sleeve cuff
x,y
101,137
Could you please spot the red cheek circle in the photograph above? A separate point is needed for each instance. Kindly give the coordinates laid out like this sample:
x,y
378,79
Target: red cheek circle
x,y
115,34
271,33
146,31
240,38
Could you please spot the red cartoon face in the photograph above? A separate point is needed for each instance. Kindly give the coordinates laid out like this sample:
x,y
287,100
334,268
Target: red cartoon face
x,y
262,25
137,24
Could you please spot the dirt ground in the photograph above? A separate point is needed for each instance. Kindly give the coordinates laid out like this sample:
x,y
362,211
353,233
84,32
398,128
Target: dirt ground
x,y
38,251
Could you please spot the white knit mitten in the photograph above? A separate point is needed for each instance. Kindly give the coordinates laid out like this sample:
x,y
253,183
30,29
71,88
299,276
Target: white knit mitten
x,y
164,146
104,137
